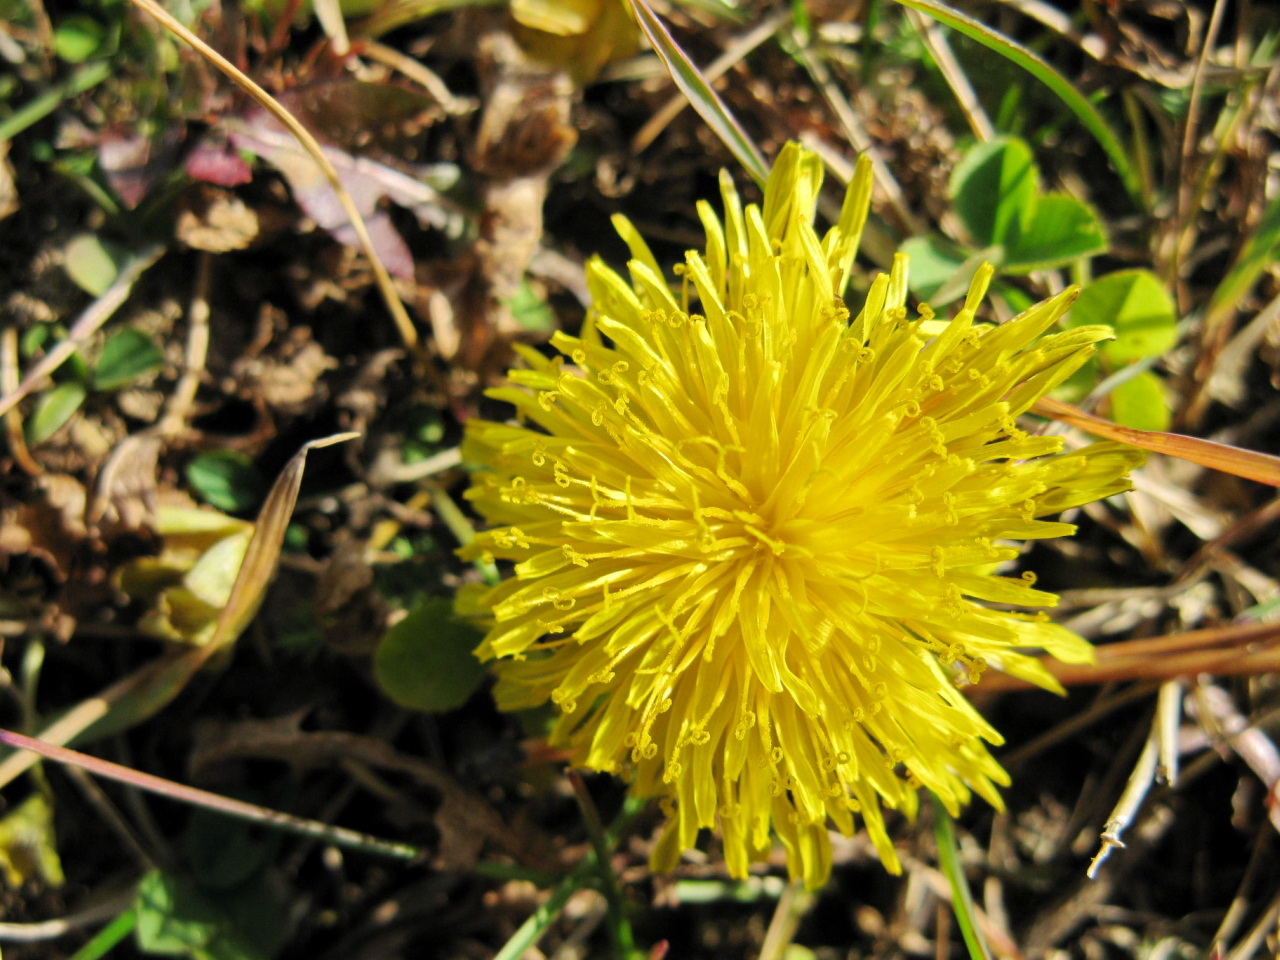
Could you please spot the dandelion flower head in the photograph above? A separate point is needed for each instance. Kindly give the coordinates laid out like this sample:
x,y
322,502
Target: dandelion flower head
x,y
753,532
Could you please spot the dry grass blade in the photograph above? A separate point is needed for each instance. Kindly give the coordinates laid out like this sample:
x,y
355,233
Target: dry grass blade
x,y
9,379
1251,464
860,139
203,798
1247,738
701,97
138,695
408,332
1222,651
936,43
1130,801
736,52
264,549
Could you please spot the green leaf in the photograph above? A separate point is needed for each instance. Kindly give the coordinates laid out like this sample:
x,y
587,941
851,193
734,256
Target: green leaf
x,y
174,918
425,661
531,311
126,356
93,263
1140,402
996,190
226,479
994,187
54,408
77,38
35,338
1075,101
1061,229
1136,305
178,918
933,263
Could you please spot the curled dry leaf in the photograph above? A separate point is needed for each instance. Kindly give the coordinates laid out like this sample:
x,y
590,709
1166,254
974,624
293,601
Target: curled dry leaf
x,y
288,379
49,525
125,493
144,692
134,162
218,221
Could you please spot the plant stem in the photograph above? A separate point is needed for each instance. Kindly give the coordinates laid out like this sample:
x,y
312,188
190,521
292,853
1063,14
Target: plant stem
x,y
619,928
961,898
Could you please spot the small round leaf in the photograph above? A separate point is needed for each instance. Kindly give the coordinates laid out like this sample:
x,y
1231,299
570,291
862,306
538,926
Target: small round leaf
x,y
226,480
127,355
1141,403
1136,305
54,408
425,661
78,38
93,263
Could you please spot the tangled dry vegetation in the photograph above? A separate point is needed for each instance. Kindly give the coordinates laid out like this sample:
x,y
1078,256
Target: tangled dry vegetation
x,y
187,305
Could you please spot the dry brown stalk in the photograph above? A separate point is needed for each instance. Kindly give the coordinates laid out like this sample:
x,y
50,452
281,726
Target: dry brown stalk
x,y
1221,651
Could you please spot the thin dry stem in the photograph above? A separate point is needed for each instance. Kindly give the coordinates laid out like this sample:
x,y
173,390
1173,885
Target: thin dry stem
x,y
1251,464
936,43
184,395
1222,651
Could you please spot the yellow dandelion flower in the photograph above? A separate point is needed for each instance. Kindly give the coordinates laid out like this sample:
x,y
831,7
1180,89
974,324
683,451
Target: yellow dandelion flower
x,y
752,532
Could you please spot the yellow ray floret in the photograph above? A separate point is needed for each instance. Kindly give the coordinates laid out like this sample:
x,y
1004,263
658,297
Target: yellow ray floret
x,y
751,530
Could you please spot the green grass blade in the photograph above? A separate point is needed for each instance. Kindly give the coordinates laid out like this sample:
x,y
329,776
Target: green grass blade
x,y
961,899
109,937
584,875
87,76
701,97
1257,253
1085,111
531,931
